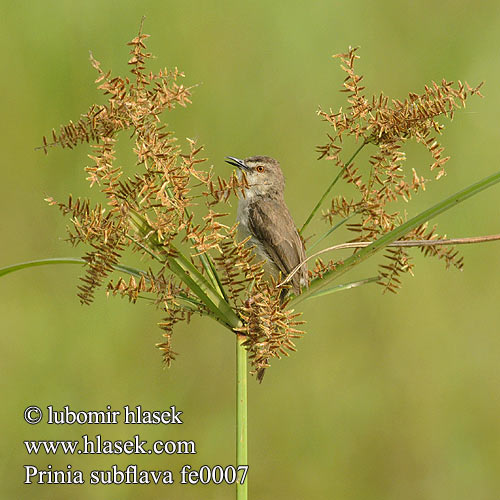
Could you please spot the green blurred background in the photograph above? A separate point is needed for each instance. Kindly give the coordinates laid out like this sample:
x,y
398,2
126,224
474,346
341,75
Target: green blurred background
x,y
388,397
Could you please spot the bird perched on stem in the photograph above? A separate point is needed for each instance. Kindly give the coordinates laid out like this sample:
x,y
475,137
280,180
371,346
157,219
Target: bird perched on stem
x,y
264,216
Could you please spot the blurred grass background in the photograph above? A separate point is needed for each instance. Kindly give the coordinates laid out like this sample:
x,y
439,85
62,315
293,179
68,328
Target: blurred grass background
x,y
388,397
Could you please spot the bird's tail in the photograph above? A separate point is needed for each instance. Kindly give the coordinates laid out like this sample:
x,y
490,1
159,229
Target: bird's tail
x,y
260,374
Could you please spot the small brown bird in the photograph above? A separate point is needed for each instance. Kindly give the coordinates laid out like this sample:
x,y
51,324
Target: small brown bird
x,y
264,216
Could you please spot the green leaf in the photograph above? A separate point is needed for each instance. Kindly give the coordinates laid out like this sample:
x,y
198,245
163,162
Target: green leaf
x,y
137,273
345,286
65,260
197,283
396,234
39,262
184,269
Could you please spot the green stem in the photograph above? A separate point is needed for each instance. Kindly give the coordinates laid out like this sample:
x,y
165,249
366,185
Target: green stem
x,y
241,415
330,187
397,233
345,286
332,229
206,261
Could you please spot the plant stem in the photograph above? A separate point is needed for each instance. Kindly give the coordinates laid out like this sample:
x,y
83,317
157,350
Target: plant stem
x,y
345,286
330,187
332,229
241,414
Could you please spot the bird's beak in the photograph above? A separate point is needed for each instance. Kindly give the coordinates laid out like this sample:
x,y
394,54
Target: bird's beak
x,y
236,162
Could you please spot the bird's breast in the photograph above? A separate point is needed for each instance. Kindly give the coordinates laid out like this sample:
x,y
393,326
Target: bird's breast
x,y
244,232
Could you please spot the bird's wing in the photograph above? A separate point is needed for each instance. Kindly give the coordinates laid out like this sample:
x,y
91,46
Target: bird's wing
x,y
271,223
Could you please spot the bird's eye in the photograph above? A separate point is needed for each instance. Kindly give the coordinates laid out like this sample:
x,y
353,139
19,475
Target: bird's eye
x,y
260,169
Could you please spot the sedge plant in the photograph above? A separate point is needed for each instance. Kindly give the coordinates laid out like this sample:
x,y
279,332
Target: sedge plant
x,y
173,212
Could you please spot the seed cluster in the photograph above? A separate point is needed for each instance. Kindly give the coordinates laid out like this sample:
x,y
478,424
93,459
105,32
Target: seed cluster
x,y
172,211
387,124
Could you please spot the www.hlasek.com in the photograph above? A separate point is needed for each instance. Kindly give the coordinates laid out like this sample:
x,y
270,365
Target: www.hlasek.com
x,y
97,445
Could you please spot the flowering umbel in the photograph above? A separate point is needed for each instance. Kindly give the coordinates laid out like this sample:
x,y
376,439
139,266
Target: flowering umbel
x,y
169,210
387,125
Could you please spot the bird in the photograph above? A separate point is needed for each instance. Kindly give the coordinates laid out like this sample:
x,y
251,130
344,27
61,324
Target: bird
x,y
263,215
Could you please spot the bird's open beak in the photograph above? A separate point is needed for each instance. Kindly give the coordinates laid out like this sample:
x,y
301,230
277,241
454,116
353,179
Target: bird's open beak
x,y
236,162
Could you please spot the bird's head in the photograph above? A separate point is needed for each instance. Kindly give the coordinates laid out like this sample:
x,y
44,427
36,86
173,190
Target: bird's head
x,y
263,174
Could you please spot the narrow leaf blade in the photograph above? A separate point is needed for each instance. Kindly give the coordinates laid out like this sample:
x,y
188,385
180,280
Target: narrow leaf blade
x,y
397,233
